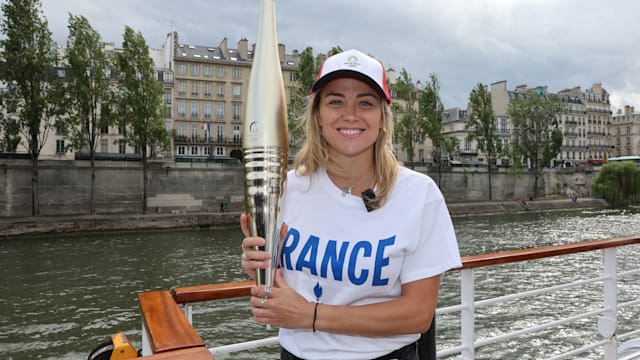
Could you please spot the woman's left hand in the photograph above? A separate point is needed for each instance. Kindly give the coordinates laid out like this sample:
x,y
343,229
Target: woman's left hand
x,y
283,308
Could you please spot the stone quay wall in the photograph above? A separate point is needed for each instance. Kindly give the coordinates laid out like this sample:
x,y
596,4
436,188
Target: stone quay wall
x,y
64,187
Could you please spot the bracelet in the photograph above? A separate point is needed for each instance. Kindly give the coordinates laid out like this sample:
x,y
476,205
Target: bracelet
x,y
315,316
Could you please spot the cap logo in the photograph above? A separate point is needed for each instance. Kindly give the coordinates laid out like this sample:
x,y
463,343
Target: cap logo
x,y
352,61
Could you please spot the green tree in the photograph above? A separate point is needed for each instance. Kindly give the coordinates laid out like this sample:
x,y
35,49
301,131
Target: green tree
x,y
305,77
87,86
9,131
431,109
537,136
618,183
482,124
140,102
407,129
28,65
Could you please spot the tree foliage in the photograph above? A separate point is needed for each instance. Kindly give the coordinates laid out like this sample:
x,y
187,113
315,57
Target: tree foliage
x,y
481,124
407,129
430,109
537,136
140,102
28,67
305,77
88,92
618,183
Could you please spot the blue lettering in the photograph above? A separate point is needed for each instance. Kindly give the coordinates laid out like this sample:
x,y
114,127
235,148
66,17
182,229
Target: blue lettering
x,y
381,261
287,249
337,261
366,248
308,255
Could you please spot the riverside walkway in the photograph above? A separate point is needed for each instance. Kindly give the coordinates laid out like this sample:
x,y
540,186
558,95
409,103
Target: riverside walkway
x,y
124,222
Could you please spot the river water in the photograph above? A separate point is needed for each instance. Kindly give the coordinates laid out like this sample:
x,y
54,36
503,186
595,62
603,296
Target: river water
x,y
61,295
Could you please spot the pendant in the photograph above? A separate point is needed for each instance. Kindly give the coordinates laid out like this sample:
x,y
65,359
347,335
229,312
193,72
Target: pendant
x,y
346,190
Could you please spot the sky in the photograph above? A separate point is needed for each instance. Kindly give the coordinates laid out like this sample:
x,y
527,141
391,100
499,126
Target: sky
x,y
560,44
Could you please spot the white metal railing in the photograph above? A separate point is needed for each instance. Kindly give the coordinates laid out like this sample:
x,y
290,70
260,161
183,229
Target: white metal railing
x,y
606,325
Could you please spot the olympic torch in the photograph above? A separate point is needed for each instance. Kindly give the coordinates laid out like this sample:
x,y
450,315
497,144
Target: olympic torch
x,y
264,141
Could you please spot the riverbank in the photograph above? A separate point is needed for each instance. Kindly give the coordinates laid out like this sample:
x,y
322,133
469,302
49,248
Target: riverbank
x,y
124,222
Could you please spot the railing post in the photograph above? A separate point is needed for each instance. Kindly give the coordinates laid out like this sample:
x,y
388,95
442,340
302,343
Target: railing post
x,y
607,324
467,314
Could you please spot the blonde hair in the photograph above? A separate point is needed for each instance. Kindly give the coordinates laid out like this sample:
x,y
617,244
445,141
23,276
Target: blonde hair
x,y
313,153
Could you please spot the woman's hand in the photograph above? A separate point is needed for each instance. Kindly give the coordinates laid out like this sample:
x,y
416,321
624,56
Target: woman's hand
x,y
251,258
282,308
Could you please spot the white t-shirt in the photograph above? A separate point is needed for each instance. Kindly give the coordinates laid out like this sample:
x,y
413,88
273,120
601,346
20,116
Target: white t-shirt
x,y
338,253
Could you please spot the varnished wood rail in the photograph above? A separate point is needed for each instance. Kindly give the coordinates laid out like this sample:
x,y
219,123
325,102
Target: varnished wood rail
x,y
169,332
172,337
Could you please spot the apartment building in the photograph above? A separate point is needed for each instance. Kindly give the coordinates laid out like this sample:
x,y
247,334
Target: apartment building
x,y
208,96
585,123
625,132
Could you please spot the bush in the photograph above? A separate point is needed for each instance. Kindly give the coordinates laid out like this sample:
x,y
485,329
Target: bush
x,y
618,183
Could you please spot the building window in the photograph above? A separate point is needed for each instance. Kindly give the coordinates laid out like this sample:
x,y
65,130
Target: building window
x,y
104,145
235,73
194,88
219,151
220,132
60,146
168,112
236,133
220,71
181,150
236,111
167,96
207,89
220,89
236,90
207,109
181,130
182,86
207,70
194,109
182,68
219,110
122,148
207,150
194,150
195,69
194,130
181,108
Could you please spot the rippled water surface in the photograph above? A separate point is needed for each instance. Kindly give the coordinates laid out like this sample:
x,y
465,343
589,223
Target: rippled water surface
x,y
63,294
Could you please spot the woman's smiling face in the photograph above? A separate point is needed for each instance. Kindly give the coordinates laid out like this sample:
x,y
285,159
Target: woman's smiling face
x,y
350,116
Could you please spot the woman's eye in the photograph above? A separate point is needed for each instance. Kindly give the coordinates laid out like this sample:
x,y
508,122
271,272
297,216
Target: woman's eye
x,y
366,104
335,102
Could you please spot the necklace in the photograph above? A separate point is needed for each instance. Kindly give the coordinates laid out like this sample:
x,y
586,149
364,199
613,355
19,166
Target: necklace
x,y
347,190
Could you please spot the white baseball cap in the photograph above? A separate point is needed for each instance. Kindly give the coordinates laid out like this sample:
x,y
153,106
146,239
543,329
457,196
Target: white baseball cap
x,y
355,64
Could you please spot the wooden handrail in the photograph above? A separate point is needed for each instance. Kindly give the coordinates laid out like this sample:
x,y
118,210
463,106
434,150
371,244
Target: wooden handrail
x,y
198,353
190,294
167,328
511,256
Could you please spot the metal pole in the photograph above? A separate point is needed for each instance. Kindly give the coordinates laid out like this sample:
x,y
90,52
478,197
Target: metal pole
x,y
467,314
607,324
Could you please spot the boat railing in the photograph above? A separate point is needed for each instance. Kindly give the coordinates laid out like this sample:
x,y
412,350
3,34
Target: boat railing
x,y
183,336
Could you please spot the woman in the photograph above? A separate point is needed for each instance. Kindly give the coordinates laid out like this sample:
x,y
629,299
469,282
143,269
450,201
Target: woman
x,y
365,240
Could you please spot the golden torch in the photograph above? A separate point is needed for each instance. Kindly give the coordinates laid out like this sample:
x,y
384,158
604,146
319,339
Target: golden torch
x,y
264,142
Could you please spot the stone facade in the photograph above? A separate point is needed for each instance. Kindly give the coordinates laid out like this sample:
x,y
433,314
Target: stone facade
x,y
201,187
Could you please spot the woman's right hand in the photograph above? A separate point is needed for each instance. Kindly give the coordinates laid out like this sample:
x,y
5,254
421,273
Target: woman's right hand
x,y
251,258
